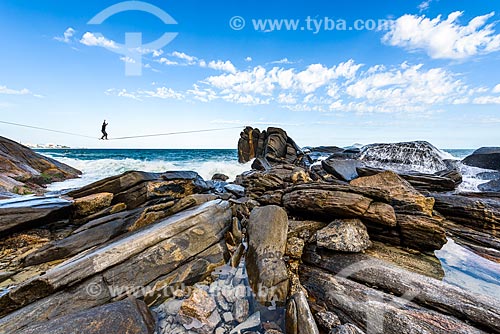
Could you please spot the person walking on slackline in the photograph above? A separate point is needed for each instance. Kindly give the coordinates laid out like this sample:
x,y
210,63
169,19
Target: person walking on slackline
x,y
103,130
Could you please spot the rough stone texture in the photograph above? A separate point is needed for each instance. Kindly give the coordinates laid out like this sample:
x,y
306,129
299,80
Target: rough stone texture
x,y
349,235
421,232
327,320
343,169
294,247
347,329
381,213
299,318
22,170
129,316
448,299
267,235
199,306
445,180
154,252
323,202
88,205
17,219
485,157
480,213
363,306
399,189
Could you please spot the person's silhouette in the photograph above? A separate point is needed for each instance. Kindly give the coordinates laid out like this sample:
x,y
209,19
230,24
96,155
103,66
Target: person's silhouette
x,y
103,130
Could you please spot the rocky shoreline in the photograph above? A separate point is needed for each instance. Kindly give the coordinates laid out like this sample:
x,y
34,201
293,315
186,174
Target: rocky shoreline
x,y
323,240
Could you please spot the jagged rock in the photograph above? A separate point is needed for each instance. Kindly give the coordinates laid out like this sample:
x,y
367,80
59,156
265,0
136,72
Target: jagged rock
x,y
299,318
400,191
91,204
130,316
407,155
477,309
273,145
267,235
21,167
199,306
369,308
348,235
343,169
294,247
327,320
493,186
485,157
421,232
261,164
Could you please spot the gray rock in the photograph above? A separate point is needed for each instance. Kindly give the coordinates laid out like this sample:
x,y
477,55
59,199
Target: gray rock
x,y
493,186
344,169
347,329
347,235
241,308
327,320
235,189
485,157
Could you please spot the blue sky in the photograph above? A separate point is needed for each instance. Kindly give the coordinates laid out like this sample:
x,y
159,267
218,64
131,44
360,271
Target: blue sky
x,y
432,74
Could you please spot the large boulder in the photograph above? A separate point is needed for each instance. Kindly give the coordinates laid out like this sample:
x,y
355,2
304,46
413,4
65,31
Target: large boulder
x,y
273,145
23,170
267,236
348,235
493,186
91,204
416,155
485,157
402,193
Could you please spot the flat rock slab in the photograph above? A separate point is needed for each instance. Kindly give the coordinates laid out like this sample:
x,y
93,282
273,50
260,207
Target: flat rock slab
x,y
485,157
343,169
129,316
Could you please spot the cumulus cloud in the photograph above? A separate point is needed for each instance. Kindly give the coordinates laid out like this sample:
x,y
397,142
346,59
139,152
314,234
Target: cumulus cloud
x,y
24,91
444,38
67,35
496,89
248,59
90,39
487,100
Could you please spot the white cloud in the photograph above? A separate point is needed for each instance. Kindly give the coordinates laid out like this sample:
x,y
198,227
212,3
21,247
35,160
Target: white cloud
x,y
496,89
444,39
90,39
424,5
248,59
487,100
10,91
286,98
67,35
140,94
167,61
127,60
157,53
282,61
220,65
181,55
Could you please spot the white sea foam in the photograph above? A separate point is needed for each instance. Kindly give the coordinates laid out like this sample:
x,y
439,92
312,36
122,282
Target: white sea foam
x,y
94,170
